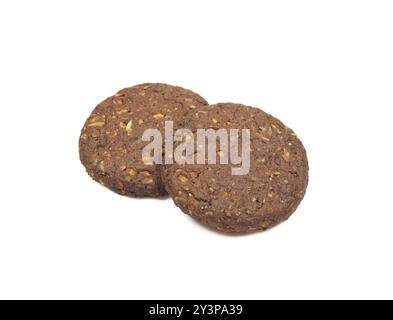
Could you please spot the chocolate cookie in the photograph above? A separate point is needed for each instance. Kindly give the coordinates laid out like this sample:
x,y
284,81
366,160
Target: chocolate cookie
x,y
110,145
267,194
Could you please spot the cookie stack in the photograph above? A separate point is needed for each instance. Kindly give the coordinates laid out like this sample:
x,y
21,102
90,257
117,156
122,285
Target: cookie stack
x,y
111,149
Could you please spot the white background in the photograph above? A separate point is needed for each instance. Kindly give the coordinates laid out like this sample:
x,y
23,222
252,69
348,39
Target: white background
x,y
325,68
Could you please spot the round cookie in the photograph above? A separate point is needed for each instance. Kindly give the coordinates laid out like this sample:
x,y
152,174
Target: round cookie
x,y
267,195
110,144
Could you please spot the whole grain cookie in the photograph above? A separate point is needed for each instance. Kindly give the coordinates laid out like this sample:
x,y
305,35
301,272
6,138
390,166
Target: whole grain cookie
x,y
267,195
110,144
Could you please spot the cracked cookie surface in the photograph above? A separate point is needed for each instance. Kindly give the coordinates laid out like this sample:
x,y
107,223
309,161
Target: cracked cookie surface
x,y
110,144
267,195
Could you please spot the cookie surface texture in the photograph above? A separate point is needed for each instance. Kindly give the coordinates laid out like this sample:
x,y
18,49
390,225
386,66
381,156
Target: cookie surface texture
x,y
267,195
110,144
